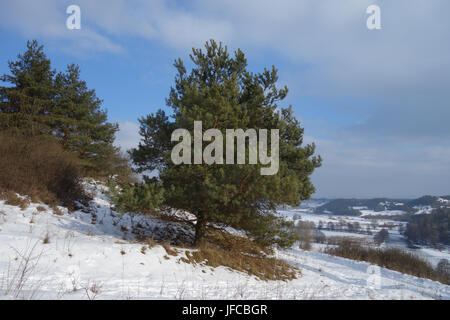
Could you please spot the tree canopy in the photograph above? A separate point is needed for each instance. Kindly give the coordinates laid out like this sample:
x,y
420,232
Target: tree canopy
x,y
40,101
223,94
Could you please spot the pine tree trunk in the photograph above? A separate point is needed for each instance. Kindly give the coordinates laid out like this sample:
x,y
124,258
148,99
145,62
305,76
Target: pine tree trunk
x,y
200,228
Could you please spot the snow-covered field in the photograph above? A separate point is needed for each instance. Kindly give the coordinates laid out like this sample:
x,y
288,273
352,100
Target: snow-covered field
x,y
366,212
396,239
94,255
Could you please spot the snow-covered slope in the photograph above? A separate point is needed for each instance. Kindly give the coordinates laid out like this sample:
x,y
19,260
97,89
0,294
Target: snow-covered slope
x,y
94,255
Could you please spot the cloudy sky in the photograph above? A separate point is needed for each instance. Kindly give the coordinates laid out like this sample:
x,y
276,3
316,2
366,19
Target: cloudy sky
x,y
375,102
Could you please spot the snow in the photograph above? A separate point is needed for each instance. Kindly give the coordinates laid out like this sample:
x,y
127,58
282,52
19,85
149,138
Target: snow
x,y
433,255
330,233
423,209
381,213
94,255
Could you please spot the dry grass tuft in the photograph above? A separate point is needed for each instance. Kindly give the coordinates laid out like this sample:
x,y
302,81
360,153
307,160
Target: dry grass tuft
x,y
241,254
46,239
169,250
57,211
13,199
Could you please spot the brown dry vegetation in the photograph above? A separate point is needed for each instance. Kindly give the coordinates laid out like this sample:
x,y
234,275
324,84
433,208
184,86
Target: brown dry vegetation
x,y
150,242
39,168
237,253
57,211
241,254
391,258
170,251
13,199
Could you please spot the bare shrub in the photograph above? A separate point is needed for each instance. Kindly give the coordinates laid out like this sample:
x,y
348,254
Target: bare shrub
x,y
16,281
304,230
443,268
93,289
338,240
69,242
319,236
381,236
391,258
40,168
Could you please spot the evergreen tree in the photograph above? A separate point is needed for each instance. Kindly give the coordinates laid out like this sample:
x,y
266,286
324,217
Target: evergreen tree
x,y
223,94
79,122
26,103
40,102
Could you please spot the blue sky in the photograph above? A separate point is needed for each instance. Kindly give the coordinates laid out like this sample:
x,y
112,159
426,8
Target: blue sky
x,y
376,102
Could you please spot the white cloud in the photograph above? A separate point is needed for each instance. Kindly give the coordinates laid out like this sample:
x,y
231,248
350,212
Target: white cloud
x,y
330,36
362,170
128,136
404,69
47,19
103,19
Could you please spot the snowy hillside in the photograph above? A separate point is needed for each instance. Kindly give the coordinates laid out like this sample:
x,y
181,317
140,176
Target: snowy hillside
x,y
94,255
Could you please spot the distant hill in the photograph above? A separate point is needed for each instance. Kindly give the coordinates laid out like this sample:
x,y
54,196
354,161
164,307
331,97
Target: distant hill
x,y
383,206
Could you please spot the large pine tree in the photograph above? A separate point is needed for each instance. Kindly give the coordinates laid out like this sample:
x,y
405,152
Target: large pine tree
x,y
223,94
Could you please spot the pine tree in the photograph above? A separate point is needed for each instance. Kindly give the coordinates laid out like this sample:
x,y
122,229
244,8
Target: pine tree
x,y
79,122
40,102
223,94
26,103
